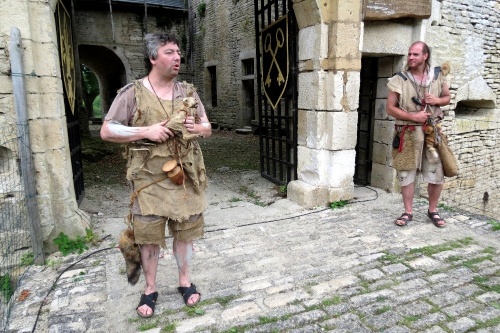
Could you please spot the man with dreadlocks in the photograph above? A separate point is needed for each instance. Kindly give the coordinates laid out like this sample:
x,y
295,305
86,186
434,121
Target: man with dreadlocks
x,y
150,116
414,99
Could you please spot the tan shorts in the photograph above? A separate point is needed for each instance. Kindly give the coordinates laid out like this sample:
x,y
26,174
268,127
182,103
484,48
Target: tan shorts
x,y
151,229
432,173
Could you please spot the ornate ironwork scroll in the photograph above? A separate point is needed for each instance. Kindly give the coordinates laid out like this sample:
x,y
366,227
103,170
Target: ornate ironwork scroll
x,y
67,54
275,60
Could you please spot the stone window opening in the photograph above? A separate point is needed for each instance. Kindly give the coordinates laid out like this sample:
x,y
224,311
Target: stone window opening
x,y
247,105
212,71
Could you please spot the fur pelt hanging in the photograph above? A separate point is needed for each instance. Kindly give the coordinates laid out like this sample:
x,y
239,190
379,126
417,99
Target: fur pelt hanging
x,y
132,254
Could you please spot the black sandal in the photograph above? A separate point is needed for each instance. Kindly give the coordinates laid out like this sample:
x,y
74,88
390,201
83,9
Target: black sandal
x,y
187,292
149,300
406,218
436,220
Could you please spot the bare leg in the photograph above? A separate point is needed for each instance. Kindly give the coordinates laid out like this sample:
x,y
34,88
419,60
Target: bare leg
x,y
408,193
183,252
149,261
434,191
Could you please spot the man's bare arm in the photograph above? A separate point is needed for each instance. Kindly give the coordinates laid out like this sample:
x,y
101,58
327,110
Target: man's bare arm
x,y
114,131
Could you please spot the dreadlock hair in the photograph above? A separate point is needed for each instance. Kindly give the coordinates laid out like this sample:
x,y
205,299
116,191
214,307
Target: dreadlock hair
x,y
425,50
152,42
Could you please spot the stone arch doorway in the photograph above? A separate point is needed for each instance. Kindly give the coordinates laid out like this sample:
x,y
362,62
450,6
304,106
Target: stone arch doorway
x,y
108,68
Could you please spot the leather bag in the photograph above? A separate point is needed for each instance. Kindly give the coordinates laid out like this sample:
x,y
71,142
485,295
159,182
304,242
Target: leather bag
x,y
450,165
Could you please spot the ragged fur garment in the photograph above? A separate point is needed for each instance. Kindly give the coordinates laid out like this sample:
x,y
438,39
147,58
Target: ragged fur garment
x,y
132,254
431,141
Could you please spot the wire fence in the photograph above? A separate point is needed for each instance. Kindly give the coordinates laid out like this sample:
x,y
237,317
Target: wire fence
x,y
15,240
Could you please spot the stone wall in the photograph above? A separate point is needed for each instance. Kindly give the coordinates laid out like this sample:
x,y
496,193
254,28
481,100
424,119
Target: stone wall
x,y
465,34
57,207
224,36
95,28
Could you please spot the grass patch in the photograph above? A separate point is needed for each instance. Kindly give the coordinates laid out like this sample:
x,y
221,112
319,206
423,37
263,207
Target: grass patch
x,y
225,300
235,330
268,320
251,194
6,287
480,279
482,282
431,250
488,323
381,298
53,263
470,263
490,250
169,328
194,311
338,204
27,259
408,320
67,245
392,258
147,326
331,301
282,191
445,207
495,225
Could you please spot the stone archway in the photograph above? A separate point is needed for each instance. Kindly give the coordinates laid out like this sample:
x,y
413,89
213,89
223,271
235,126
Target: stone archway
x,y
108,68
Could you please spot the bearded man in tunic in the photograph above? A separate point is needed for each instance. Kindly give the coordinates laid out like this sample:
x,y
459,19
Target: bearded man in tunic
x,y
148,115
414,100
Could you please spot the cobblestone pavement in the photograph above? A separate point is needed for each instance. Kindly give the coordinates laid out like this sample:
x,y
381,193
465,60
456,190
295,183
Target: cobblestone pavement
x,y
282,268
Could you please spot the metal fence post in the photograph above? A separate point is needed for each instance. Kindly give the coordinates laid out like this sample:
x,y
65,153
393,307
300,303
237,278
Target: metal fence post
x,y
27,167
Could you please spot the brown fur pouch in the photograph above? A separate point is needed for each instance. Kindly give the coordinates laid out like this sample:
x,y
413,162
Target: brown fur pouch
x,y
405,160
132,255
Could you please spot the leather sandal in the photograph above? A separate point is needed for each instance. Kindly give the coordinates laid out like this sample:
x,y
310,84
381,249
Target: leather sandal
x,y
187,292
149,300
405,218
436,219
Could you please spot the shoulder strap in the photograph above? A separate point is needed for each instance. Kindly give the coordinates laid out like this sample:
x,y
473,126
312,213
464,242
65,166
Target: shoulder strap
x,y
437,70
402,75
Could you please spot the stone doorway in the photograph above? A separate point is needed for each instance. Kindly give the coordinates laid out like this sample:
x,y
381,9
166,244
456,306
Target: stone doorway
x,y
366,120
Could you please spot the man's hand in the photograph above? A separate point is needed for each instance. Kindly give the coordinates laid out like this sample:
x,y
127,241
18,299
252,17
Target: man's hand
x,y
189,123
431,99
421,117
158,132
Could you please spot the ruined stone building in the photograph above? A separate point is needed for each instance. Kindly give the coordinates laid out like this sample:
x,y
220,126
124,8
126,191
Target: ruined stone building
x,y
308,76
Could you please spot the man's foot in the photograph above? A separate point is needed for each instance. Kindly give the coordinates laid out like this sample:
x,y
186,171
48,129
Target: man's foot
x,y
404,219
189,294
146,307
436,219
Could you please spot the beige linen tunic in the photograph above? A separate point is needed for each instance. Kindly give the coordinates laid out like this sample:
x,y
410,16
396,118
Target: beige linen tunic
x,y
411,156
156,194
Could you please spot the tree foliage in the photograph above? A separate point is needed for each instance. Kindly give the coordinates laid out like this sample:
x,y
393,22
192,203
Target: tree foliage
x,y
90,89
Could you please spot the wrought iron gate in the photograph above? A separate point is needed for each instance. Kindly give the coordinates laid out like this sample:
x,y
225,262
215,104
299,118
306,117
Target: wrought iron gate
x,y
277,71
67,59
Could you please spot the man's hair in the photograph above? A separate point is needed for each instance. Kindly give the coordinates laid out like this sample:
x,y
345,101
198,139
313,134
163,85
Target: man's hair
x,y
425,50
152,42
